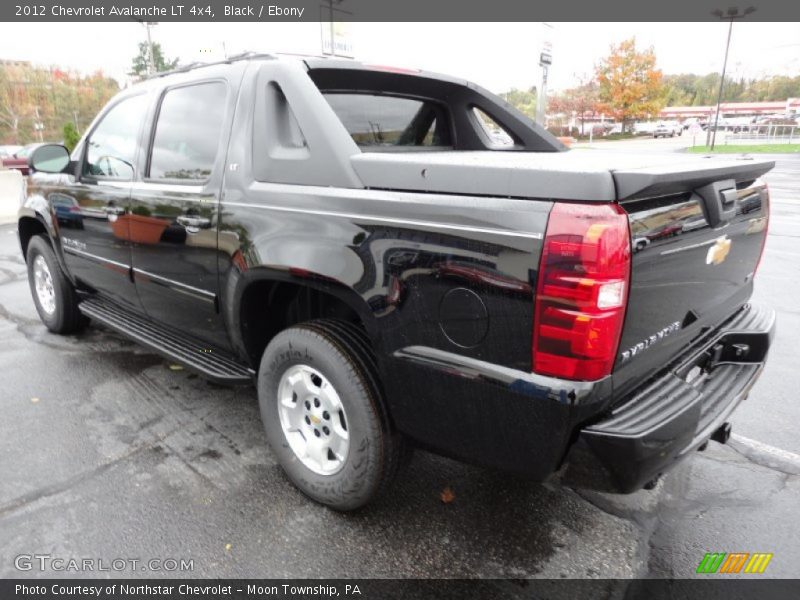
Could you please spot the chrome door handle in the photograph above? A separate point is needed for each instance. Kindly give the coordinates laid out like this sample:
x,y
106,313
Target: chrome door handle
x,y
194,221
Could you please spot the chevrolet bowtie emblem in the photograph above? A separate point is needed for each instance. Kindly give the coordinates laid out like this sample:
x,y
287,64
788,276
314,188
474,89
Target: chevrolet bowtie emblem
x,y
719,251
314,420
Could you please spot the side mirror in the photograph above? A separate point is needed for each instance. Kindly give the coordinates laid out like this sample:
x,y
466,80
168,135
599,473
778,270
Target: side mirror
x,y
50,158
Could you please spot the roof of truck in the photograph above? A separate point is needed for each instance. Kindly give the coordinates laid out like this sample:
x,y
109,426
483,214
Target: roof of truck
x,y
312,62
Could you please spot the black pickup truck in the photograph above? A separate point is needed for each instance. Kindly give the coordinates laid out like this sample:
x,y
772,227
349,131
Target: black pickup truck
x,y
401,259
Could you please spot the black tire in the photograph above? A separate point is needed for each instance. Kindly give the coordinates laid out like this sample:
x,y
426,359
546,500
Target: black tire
x,y
340,352
65,317
360,342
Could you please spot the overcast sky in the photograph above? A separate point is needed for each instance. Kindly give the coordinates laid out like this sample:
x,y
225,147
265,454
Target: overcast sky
x,y
496,55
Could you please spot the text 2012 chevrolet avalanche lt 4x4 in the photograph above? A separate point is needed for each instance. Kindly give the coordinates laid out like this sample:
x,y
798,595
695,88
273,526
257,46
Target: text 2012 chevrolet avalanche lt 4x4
x,y
401,259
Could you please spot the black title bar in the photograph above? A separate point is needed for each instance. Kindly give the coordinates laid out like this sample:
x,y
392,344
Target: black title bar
x,y
390,10
733,588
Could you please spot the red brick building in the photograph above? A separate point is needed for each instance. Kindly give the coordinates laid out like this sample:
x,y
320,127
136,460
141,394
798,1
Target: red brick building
x,y
732,109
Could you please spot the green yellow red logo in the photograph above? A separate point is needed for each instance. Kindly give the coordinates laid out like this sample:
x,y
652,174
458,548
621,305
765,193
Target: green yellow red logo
x,y
734,562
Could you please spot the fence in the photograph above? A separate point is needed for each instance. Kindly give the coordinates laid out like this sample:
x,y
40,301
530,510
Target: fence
x,y
760,134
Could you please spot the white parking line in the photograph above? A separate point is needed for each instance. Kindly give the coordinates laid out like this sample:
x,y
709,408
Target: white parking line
x,y
764,453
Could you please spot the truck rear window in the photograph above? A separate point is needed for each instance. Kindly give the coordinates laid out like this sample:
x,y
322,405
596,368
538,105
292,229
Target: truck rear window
x,y
380,122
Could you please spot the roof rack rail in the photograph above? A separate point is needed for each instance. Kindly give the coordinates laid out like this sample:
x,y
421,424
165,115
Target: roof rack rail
x,y
198,65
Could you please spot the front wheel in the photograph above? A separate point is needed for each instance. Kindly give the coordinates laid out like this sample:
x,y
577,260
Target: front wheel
x,y
322,412
53,294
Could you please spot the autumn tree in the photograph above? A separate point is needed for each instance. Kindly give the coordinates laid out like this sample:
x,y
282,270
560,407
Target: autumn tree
x,y
35,102
583,100
141,62
630,84
13,101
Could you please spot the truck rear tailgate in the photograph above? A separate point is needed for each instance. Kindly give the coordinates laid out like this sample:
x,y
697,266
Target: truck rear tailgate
x,y
696,237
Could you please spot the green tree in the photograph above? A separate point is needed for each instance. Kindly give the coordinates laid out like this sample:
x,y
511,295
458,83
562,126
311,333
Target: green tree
x,y
71,135
688,89
523,100
630,84
141,61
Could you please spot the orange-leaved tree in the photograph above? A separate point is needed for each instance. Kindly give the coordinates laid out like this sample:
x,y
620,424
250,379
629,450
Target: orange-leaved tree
x,y
630,84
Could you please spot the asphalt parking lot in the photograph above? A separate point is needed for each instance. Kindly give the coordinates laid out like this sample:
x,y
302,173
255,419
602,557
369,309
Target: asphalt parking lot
x,y
109,452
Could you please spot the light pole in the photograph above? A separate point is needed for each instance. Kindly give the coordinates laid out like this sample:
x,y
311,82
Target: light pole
x,y
730,15
545,60
151,62
331,26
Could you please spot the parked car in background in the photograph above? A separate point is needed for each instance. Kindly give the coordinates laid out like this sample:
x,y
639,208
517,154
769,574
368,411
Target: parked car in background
x,y
738,124
19,160
776,120
686,123
9,151
667,129
644,128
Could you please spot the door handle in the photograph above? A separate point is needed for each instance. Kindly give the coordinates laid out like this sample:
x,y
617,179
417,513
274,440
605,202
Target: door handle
x,y
194,222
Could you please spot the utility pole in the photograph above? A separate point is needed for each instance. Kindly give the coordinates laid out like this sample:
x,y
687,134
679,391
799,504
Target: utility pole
x,y
730,15
332,27
545,60
333,38
151,61
38,126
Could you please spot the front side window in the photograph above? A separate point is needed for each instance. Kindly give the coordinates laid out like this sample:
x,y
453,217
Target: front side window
x,y
111,148
188,132
391,122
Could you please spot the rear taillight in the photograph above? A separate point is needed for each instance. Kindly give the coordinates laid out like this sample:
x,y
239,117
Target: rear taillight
x,y
582,291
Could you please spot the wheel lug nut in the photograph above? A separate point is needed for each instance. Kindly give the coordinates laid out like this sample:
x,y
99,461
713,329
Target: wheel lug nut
x,y
316,402
308,405
326,431
316,432
325,415
308,421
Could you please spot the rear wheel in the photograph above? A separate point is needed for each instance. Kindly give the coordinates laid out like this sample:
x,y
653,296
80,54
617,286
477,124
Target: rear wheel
x,y
323,415
53,294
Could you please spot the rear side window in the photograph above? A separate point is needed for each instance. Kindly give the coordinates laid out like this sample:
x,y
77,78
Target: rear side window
x,y
498,136
382,122
188,132
111,147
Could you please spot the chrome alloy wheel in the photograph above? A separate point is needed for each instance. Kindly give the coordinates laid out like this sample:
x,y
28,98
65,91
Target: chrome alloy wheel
x,y
43,282
313,419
